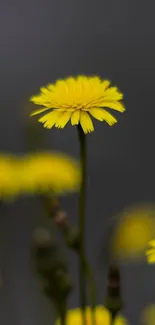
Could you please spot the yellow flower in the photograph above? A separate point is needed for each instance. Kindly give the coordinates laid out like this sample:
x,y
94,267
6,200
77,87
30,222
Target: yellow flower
x,y
77,99
44,172
132,234
150,253
74,317
148,315
9,184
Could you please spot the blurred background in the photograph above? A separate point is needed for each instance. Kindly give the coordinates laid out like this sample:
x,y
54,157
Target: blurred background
x,y
40,42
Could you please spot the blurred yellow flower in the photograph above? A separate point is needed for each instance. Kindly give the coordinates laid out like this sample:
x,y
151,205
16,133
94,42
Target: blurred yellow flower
x,y
44,172
132,234
103,317
77,99
148,315
9,184
150,253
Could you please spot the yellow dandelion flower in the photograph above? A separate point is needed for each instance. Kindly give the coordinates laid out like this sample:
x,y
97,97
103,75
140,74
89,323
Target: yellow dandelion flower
x,y
44,172
150,252
9,185
77,99
148,315
132,234
102,315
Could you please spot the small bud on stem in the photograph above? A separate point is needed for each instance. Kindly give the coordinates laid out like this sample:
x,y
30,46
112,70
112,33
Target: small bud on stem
x,y
113,301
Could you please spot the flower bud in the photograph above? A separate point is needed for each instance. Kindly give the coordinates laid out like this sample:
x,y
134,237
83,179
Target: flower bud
x,y
60,219
64,283
58,287
72,238
113,301
46,256
52,206
49,290
42,241
47,267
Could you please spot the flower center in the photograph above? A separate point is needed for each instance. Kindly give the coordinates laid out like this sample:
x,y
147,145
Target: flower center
x,y
78,106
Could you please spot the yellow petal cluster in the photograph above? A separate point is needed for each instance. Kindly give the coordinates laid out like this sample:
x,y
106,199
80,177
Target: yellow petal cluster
x,y
38,173
9,185
49,172
148,315
135,229
150,252
102,316
77,100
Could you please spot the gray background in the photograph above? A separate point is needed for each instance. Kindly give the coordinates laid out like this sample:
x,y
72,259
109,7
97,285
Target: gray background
x,y
41,41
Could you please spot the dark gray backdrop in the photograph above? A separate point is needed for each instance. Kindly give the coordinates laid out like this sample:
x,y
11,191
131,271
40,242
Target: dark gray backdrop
x,y
40,42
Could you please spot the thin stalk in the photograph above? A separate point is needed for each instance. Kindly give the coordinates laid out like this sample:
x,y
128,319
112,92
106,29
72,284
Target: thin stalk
x,y
113,316
82,204
92,288
61,309
63,316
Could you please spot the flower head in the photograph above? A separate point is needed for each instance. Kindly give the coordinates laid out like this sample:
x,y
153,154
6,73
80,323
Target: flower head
x,y
77,99
132,234
48,172
103,317
150,252
148,315
9,184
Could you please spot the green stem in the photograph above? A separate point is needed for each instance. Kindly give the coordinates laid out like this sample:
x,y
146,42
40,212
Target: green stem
x,y
113,316
82,203
61,308
92,288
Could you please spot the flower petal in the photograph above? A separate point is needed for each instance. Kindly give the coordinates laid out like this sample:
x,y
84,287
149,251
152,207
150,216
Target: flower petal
x,y
117,106
86,122
39,111
63,120
51,118
42,99
152,243
105,84
150,251
102,115
112,94
151,259
75,117
97,113
45,91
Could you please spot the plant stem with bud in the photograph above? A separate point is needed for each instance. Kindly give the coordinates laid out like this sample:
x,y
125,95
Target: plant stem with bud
x,y
72,238
84,267
82,203
113,301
